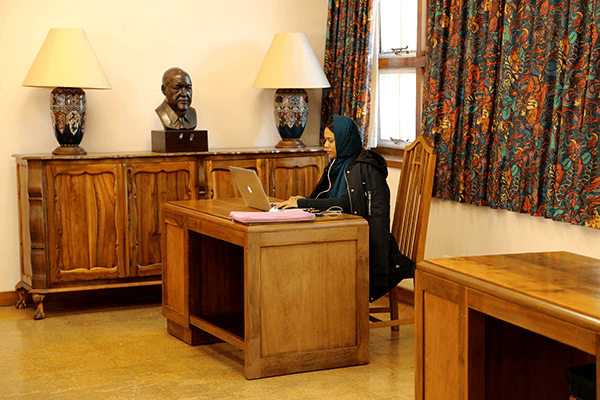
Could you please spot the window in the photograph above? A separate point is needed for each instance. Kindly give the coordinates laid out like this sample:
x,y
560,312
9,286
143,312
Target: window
x,y
397,113
401,62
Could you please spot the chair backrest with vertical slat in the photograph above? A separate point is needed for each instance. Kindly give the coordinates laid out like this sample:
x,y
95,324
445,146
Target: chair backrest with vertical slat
x,y
413,201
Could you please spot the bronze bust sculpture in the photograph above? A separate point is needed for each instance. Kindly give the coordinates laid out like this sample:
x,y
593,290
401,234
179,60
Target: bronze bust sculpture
x,y
175,111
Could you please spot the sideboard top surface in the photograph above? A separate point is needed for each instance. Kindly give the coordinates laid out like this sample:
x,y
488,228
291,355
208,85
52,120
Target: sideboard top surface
x,y
149,154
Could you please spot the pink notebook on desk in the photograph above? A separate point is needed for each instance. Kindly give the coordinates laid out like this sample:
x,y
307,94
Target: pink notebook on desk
x,y
276,216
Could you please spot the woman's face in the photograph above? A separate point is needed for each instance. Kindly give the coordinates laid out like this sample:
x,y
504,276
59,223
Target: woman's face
x,y
330,143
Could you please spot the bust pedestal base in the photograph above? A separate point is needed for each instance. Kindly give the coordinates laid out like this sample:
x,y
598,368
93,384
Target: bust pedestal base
x,y
179,141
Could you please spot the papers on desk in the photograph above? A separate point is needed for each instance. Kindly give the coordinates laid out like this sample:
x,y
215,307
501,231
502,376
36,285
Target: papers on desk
x,y
279,216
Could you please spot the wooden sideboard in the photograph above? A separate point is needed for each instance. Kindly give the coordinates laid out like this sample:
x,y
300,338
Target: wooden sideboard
x,y
93,222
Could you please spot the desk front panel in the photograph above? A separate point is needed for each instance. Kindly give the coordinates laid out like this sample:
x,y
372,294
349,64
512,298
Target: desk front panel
x,y
297,310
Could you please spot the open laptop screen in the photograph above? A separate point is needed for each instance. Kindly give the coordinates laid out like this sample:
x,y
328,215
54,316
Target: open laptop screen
x,y
251,189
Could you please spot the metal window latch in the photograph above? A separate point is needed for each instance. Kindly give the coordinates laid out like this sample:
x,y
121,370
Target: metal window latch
x,y
399,141
399,50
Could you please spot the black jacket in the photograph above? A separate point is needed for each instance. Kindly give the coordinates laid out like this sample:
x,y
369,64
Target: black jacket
x,y
368,195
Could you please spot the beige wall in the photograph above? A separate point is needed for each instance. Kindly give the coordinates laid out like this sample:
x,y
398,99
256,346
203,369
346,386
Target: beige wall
x,y
457,229
221,44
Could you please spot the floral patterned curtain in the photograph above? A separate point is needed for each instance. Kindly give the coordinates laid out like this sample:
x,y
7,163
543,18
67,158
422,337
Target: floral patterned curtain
x,y
348,62
512,104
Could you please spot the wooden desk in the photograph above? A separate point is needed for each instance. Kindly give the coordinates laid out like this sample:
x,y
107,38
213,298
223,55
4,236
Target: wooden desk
x,y
505,326
292,296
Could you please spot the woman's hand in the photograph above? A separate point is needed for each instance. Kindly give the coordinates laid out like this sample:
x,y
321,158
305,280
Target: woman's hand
x,y
292,202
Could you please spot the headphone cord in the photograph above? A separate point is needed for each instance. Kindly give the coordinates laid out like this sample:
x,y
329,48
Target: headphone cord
x,y
328,180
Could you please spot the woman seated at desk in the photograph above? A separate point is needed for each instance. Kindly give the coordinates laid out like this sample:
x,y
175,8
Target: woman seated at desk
x,y
355,181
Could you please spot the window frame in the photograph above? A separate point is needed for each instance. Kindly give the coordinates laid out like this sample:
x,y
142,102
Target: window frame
x,y
415,60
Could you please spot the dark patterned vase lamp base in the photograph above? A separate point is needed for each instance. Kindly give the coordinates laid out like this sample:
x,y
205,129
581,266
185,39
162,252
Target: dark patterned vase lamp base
x,y
291,113
67,62
67,107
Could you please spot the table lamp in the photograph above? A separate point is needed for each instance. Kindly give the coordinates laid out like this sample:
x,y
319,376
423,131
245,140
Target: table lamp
x,y
291,66
67,62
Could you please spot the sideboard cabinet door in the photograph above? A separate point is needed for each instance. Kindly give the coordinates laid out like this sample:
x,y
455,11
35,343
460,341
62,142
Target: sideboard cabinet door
x,y
149,186
281,177
294,176
220,182
85,214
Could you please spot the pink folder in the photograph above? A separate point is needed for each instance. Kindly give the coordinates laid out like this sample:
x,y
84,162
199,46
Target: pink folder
x,y
273,216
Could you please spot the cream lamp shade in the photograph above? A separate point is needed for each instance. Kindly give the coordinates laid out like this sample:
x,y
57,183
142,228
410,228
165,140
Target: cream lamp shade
x,y
290,66
290,63
66,59
67,62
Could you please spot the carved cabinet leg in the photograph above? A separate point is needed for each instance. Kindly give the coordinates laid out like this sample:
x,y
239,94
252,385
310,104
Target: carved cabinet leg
x,y
21,303
39,300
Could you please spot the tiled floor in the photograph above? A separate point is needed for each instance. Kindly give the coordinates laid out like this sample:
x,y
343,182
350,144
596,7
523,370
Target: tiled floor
x,y
97,350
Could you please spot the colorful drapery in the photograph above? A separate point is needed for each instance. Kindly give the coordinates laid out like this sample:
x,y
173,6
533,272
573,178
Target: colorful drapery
x,y
349,62
512,104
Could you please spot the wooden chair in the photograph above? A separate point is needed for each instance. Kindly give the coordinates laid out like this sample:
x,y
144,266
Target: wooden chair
x,y
411,217
582,382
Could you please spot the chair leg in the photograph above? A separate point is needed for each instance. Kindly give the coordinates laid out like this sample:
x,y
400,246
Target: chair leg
x,y
394,307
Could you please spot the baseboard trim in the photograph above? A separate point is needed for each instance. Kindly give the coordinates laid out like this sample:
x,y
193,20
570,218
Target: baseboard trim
x,y
406,295
8,298
11,298
123,294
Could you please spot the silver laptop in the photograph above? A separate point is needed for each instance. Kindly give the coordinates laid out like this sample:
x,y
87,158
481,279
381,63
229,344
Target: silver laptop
x,y
251,189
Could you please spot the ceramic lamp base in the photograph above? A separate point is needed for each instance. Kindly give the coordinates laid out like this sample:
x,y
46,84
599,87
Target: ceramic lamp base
x,y
291,113
68,109
69,151
289,144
